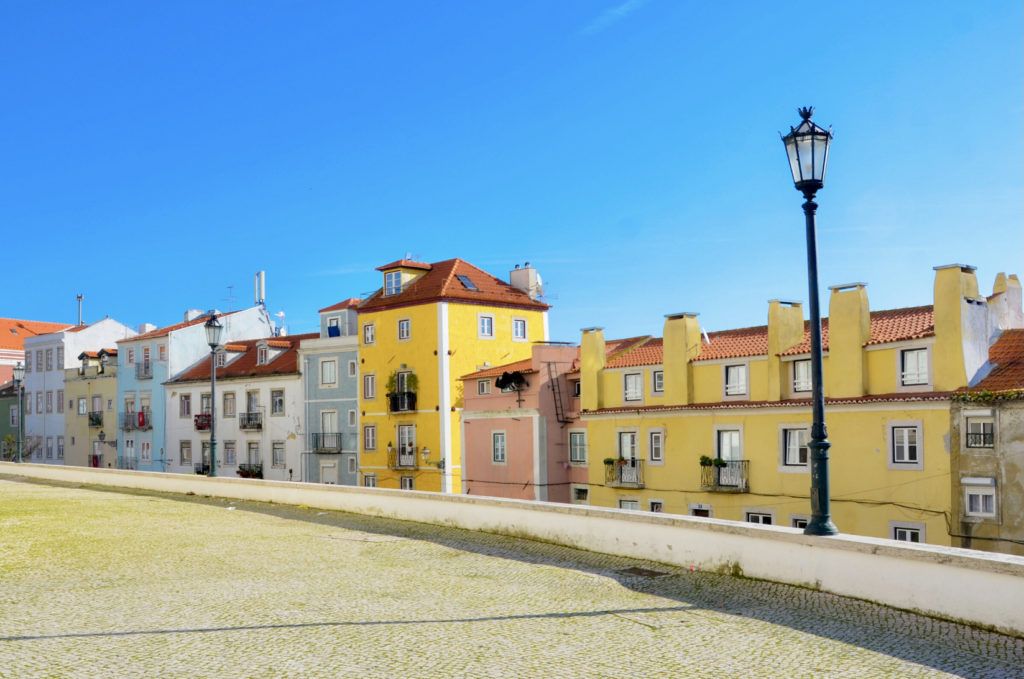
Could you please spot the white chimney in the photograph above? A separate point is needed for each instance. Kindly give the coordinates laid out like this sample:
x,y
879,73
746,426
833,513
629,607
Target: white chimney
x,y
146,327
193,314
260,287
526,279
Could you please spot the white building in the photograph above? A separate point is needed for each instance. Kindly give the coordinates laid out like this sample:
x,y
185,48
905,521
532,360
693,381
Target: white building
x,y
46,357
259,412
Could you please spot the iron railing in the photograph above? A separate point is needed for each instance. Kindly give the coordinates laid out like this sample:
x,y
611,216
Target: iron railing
x,y
250,470
95,418
402,401
202,421
202,468
625,474
127,462
250,420
980,439
143,371
333,442
402,459
732,476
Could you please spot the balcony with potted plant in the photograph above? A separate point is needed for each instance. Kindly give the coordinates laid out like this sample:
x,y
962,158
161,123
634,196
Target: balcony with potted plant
x,y
401,391
724,476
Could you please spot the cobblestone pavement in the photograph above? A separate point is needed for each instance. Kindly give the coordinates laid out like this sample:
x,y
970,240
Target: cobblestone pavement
x,y
97,583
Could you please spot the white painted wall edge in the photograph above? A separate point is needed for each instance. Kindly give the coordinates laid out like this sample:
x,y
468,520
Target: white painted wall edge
x,y
977,588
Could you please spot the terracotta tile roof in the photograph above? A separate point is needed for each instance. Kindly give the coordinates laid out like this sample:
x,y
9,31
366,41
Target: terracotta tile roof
x,y
1007,355
795,403
13,331
108,351
234,346
405,264
349,303
165,331
890,325
611,347
280,343
441,283
523,366
285,363
77,328
647,352
89,354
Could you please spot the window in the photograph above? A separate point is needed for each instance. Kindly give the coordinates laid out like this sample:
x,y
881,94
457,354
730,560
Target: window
x,y
262,355
49,447
576,391
483,387
14,416
351,418
485,326
161,352
60,400
629,504
735,380
39,402
656,449
729,447
392,283
229,404
60,359
699,509
352,466
913,367
277,453
49,359
498,446
466,283
980,432
370,437
277,401
578,447
205,401
328,372
906,531
147,451
657,506
97,404
253,452
186,452
658,381
794,447
369,387
369,333
979,497
28,361
185,405
369,480
799,521
580,495
632,387
220,359
110,404
759,517
905,446
406,483
802,375
131,355
49,401
351,368
404,329
627,444
519,329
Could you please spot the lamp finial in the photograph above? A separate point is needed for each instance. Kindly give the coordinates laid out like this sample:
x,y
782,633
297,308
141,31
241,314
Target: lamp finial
x,y
806,112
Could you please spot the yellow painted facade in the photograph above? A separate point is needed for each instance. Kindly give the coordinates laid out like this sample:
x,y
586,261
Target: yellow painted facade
x,y
437,340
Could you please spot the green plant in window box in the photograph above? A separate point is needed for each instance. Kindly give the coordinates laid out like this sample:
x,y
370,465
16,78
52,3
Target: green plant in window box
x,y
609,461
412,382
706,461
719,462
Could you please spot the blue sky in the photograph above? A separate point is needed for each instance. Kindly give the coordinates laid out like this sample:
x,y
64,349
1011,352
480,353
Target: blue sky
x,y
153,154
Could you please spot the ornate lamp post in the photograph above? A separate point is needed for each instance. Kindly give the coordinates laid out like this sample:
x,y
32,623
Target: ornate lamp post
x,y
807,146
213,333
19,375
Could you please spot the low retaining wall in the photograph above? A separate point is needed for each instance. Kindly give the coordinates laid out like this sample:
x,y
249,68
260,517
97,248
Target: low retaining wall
x,y
977,588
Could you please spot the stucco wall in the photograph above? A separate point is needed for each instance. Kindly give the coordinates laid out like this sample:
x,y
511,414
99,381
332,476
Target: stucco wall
x,y
975,587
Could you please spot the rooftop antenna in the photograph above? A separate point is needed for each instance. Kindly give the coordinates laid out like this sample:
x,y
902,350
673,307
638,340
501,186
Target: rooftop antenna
x,y
230,298
261,287
80,297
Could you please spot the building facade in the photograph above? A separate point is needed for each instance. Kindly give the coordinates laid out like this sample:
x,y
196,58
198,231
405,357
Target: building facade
x,y
13,333
428,325
330,377
90,419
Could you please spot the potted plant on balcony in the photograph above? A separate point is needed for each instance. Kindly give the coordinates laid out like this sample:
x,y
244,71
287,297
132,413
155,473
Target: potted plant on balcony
x,y
706,461
609,461
719,462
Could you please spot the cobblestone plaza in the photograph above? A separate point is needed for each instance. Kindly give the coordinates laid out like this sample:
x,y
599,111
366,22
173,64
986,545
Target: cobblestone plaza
x,y
95,583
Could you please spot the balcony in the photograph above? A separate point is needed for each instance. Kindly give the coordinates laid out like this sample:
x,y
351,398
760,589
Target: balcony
x,y
250,421
402,402
143,371
250,470
202,468
624,474
333,442
731,477
980,439
127,462
402,459
129,421
202,421
95,418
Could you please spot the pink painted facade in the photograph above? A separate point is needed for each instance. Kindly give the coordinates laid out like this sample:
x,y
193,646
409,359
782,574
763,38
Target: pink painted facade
x,y
517,443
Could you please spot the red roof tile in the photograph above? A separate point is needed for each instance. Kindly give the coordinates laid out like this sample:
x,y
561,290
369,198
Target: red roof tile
x,y
796,403
13,331
523,366
405,264
890,325
441,283
349,303
165,331
285,363
647,352
1007,356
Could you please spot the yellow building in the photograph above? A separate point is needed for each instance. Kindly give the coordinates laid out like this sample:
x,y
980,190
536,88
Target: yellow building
x,y
718,425
426,327
90,420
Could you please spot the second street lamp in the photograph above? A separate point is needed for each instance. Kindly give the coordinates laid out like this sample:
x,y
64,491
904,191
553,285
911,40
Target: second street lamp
x,y
807,146
214,329
19,376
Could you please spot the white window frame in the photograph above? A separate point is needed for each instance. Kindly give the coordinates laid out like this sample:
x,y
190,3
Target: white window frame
x,y
392,283
574,488
916,377
407,482
60,400
785,466
369,333
499,453
352,420
578,453
369,480
624,445
759,517
890,429
718,429
185,405
632,387
485,330
278,454
277,405
182,447
229,396
979,422
230,454
800,385
799,520
629,504
737,389
369,437
981,488
900,530
404,330
352,370
329,365
483,387
657,381
656,452
577,388
369,387
656,506
519,323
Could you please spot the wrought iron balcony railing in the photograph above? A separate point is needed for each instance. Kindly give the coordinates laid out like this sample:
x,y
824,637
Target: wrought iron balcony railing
x,y
143,371
250,420
127,462
625,474
731,477
402,401
980,439
333,442
95,418
202,468
250,470
202,421
402,459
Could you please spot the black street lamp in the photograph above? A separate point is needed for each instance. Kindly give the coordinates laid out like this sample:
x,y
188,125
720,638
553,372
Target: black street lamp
x,y
213,333
19,375
807,147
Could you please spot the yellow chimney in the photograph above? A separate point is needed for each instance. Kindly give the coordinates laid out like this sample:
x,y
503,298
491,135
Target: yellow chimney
x,y
785,331
681,343
849,328
954,283
592,360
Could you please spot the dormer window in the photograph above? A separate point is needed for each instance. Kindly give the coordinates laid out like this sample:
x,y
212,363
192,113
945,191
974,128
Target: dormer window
x,y
261,355
913,367
735,380
220,359
392,283
802,375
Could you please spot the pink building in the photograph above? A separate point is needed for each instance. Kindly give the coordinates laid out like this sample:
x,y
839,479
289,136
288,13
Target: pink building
x,y
522,437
